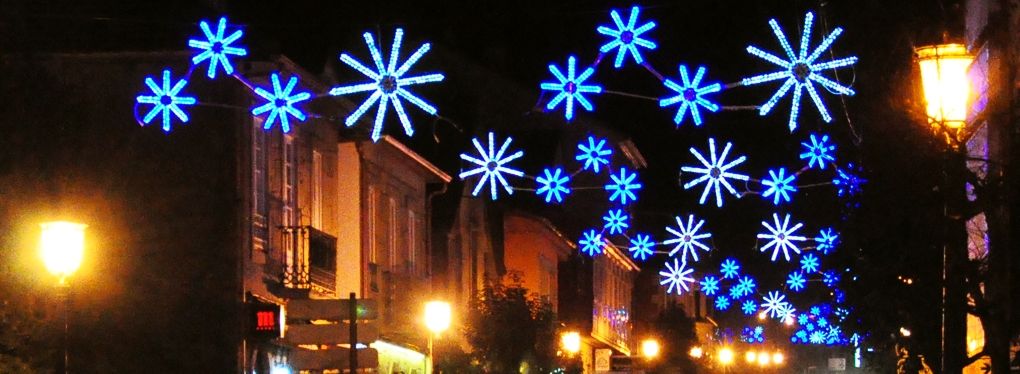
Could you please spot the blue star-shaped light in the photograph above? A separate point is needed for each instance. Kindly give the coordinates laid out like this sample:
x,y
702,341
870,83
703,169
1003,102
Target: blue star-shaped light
x,y
676,276
834,332
616,221
592,243
800,70
819,151
216,48
774,303
388,84
715,172
822,322
816,310
641,246
709,285
729,268
838,294
803,319
626,37
817,337
687,238
781,237
722,302
165,100
281,102
570,88
809,263
623,187
735,292
801,334
795,281
830,278
689,95
787,313
847,182
553,184
827,240
779,186
492,165
749,307
593,154
809,327
745,285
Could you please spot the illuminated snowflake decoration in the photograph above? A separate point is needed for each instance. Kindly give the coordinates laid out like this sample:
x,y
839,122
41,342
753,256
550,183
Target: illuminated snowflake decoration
x,y
677,277
745,286
729,268
827,240
830,278
800,70
280,102
788,312
570,88
809,263
735,292
641,246
709,285
774,304
817,337
795,281
749,307
616,221
715,172
166,99
781,237
689,95
593,154
623,187
687,238
803,319
592,243
722,302
779,186
553,184
492,165
626,37
215,47
818,152
816,310
388,84
847,182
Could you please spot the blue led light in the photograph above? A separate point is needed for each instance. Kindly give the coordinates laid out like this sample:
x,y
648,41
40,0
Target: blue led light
x,y
822,322
280,102
722,302
553,184
689,95
779,186
570,88
623,187
749,307
735,292
388,84
592,243
774,304
830,278
816,310
819,151
827,240
809,263
626,37
593,154
803,319
847,181
745,286
641,246
492,165
687,238
676,276
787,312
215,48
800,70
817,337
714,172
616,221
165,100
709,285
781,237
729,268
795,281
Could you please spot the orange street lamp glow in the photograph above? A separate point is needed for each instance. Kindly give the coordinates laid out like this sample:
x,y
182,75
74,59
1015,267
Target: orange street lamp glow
x,y
726,356
751,356
650,348
62,247
763,359
437,316
777,358
944,79
696,352
571,342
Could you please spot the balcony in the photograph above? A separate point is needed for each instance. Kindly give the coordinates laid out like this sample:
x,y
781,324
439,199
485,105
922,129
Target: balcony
x,y
308,259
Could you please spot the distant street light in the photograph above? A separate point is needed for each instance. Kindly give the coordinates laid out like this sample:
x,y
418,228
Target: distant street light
x,y
763,359
726,356
777,358
62,249
904,332
751,356
650,348
696,352
437,320
571,342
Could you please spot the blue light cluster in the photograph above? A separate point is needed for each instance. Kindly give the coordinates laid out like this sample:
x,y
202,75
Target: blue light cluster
x,y
216,47
687,238
715,172
830,277
818,152
616,221
730,268
779,186
815,328
745,286
677,276
592,243
492,165
280,102
623,187
553,184
166,99
722,302
847,181
641,246
594,154
795,281
774,304
570,88
809,263
781,237
800,70
626,37
690,95
387,84
753,335
827,240
710,285
749,307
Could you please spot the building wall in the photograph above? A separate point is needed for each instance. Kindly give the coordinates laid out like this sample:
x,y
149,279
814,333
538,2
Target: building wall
x,y
613,281
534,248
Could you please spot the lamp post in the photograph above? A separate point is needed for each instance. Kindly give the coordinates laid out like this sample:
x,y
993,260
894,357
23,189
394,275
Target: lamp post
x,y
437,319
946,92
62,249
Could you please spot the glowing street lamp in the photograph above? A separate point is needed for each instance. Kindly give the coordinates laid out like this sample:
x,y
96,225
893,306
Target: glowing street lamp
x,y
751,356
571,342
437,320
946,89
726,356
777,358
696,352
650,348
62,249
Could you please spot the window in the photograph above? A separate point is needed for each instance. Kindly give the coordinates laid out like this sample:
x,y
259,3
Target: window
x,y
373,225
289,180
316,189
412,242
260,211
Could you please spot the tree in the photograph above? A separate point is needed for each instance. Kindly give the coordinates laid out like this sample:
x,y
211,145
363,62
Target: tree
x,y
509,328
